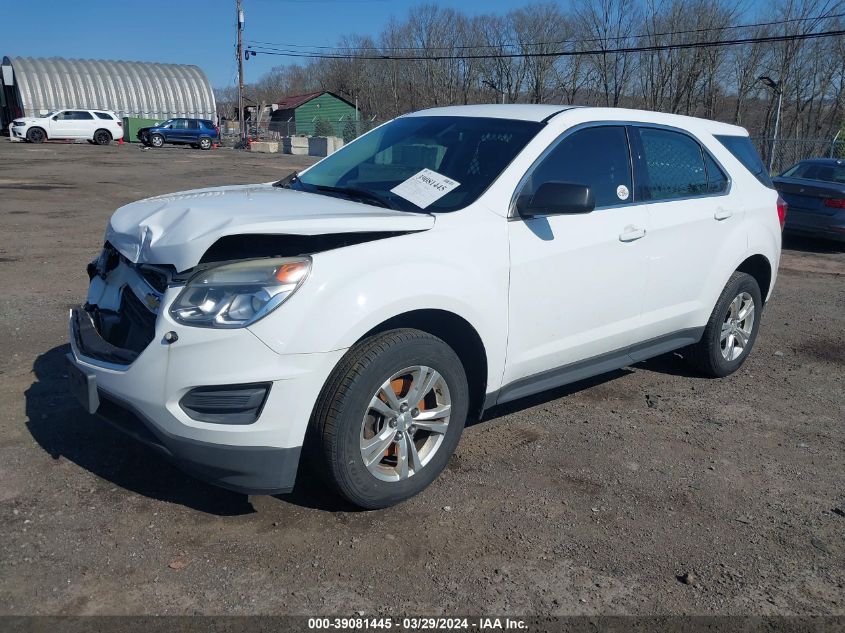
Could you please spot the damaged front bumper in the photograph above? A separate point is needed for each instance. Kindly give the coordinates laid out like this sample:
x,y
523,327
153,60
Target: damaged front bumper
x,y
144,394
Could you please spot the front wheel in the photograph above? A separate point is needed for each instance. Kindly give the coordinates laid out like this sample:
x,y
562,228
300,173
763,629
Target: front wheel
x,y
156,140
36,135
390,417
731,330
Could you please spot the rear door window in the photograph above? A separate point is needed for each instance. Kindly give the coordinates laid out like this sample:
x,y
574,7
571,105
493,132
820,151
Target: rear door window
x,y
193,124
597,157
743,150
672,165
81,115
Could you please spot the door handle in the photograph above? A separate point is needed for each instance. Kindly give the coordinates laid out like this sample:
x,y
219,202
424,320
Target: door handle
x,y
631,233
722,214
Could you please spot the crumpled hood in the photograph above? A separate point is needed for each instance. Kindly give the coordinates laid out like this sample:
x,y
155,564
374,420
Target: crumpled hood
x,y
178,228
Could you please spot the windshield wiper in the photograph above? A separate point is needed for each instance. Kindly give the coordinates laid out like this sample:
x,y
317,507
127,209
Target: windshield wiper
x,y
361,194
287,181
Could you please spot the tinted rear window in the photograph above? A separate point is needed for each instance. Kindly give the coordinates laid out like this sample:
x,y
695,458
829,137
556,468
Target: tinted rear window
x,y
743,150
826,172
104,115
207,124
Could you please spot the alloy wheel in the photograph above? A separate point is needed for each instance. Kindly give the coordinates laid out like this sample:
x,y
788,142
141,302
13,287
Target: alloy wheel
x,y
737,327
405,423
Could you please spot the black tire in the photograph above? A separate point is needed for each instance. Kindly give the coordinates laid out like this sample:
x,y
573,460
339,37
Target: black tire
x,y
102,137
707,356
156,140
36,135
205,143
339,414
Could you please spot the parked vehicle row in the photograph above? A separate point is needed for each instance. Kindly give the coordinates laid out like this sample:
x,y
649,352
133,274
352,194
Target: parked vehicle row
x,y
356,314
100,127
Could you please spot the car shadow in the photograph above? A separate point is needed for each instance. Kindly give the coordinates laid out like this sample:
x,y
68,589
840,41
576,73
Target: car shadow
x,y
64,430
793,242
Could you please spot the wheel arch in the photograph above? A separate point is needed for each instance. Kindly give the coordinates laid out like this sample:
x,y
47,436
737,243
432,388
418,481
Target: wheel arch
x,y
759,267
458,334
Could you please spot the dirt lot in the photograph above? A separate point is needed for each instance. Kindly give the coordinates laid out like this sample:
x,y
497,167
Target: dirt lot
x,y
590,499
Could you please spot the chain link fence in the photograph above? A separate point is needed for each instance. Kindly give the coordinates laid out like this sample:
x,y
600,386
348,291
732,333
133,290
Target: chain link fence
x,y
781,153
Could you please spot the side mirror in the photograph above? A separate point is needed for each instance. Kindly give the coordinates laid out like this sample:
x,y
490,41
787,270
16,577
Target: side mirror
x,y
559,198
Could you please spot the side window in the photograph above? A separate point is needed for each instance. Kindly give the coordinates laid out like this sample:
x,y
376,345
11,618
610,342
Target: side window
x,y
717,181
180,124
104,115
673,164
193,124
80,115
743,150
64,116
597,157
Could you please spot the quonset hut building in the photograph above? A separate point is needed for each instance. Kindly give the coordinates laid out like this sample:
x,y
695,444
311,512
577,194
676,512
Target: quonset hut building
x,y
32,86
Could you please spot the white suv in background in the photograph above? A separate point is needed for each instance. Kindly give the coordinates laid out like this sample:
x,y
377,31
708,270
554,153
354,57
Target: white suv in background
x,y
448,261
96,126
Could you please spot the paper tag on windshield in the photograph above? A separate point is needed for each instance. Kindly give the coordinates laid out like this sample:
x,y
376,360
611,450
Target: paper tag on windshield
x,y
424,188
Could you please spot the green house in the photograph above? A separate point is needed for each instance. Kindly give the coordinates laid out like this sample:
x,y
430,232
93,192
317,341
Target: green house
x,y
299,115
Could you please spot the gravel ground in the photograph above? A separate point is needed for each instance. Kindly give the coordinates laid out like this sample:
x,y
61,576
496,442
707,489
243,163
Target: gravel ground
x,y
647,490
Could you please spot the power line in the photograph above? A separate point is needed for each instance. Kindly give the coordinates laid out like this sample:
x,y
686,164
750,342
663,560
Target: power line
x,y
337,49
570,53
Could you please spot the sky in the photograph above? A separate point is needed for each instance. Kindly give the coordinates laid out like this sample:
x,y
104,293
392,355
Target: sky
x,y
200,32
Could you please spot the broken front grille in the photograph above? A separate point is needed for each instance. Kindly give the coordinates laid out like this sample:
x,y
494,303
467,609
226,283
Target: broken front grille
x,y
132,327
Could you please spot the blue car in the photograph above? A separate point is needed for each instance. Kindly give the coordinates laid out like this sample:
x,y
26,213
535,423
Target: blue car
x,y
199,133
814,189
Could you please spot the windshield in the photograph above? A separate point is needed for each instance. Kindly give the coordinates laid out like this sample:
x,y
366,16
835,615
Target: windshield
x,y
471,152
826,172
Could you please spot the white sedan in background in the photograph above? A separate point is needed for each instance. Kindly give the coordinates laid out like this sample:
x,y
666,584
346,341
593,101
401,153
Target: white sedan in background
x,y
99,127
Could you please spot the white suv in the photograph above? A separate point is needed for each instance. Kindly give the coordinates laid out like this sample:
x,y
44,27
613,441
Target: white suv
x,y
96,126
447,261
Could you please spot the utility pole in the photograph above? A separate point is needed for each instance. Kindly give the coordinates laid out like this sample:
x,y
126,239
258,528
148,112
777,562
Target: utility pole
x,y
240,18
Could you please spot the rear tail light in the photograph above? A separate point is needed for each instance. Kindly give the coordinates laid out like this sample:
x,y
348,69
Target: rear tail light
x,y
782,209
834,203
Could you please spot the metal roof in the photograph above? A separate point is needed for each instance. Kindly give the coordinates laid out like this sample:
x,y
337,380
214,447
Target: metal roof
x,y
137,89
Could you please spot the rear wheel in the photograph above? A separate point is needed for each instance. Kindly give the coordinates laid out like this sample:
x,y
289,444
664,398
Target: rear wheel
x,y
102,137
36,135
205,143
156,140
731,330
390,417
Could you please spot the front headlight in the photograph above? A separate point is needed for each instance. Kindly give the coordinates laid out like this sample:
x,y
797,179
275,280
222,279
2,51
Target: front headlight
x,y
236,295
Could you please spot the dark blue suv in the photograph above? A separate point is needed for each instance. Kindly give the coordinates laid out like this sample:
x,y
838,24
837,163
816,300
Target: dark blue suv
x,y
194,132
